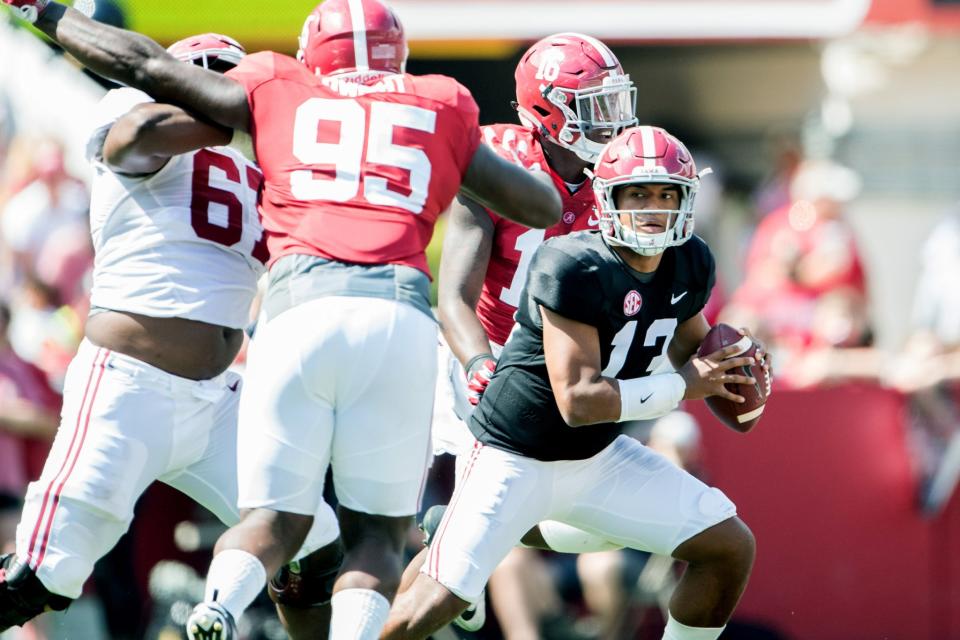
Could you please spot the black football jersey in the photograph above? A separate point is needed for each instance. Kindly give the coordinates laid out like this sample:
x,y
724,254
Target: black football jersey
x,y
580,277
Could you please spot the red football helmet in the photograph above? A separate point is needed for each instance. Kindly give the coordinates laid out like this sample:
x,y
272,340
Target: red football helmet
x,y
645,155
209,50
573,90
344,36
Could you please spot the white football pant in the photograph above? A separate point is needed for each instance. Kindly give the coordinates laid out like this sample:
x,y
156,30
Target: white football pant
x,y
123,425
627,494
346,382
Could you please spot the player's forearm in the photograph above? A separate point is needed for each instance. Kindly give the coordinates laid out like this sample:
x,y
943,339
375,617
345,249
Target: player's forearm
x,y
679,354
589,401
533,201
462,330
529,198
601,400
127,57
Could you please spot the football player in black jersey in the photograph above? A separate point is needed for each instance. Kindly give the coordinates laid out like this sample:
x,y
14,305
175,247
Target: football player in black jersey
x,y
602,317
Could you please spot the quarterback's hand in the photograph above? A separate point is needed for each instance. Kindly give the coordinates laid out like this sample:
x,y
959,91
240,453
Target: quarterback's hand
x,y
708,375
764,358
478,377
28,10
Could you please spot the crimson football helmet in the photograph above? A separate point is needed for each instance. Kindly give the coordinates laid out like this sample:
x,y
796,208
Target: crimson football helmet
x,y
208,50
347,36
645,155
573,90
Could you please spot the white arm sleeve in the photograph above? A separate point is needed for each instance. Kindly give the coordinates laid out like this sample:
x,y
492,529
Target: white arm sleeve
x,y
651,396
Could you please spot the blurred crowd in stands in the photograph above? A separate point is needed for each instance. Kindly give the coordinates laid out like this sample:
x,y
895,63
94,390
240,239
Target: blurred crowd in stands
x,y
803,290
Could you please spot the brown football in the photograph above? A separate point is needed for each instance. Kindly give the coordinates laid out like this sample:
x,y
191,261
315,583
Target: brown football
x,y
739,417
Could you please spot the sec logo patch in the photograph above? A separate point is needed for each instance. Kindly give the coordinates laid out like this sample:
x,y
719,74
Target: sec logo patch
x,y
631,303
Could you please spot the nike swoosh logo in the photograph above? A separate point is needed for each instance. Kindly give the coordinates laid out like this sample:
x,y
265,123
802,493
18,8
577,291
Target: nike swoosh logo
x,y
676,299
233,387
593,222
642,400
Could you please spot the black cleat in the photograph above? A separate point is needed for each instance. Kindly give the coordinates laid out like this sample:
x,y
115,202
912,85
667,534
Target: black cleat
x,y
22,596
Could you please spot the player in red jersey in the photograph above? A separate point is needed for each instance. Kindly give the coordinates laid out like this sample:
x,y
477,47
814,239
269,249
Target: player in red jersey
x,y
572,97
359,159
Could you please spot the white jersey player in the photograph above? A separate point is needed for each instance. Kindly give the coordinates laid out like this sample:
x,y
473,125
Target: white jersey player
x,y
179,250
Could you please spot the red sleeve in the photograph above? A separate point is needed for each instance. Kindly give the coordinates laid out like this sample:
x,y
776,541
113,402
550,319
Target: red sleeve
x,y
469,113
253,71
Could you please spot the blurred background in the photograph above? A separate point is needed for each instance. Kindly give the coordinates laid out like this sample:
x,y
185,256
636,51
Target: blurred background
x,y
833,128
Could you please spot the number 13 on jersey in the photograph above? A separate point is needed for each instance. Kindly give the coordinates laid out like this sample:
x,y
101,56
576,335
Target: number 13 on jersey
x,y
336,137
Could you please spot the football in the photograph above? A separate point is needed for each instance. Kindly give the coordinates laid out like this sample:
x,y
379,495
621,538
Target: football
x,y
739,417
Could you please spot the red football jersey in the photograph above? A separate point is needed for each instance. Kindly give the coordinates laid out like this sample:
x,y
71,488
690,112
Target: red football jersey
x,y
355,171
514,244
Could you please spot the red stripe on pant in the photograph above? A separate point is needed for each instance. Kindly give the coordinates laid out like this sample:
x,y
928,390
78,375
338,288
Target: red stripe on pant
x,y
433,560
85,407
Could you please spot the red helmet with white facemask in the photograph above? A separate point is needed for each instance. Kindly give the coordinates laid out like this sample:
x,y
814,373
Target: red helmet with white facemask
x,y
209,50
573,90
353,36
645,155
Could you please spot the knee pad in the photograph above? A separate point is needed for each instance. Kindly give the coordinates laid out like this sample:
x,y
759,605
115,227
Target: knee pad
x,y
566,539
308,582
22,595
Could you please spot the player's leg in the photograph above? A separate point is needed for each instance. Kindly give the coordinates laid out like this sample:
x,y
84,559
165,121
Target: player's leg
x,y
605,591
115,438
381,451
523,594
635,497
284,434
302,591
498,497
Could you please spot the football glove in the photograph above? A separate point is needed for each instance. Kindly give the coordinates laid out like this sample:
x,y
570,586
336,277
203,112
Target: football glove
x,y
478,377
28,10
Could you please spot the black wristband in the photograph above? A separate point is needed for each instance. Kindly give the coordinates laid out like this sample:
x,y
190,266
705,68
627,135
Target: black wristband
x,y
472,362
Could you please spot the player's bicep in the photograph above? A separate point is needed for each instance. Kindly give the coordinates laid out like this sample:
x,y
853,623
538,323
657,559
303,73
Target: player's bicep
x,y
572,351
467,246
686,339
527,197
141,141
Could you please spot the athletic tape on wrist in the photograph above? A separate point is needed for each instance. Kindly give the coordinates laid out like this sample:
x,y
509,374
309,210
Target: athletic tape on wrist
x,y
651,396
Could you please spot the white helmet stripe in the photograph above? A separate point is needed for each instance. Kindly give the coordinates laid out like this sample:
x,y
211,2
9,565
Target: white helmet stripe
x,y
649,143
609,59
359,23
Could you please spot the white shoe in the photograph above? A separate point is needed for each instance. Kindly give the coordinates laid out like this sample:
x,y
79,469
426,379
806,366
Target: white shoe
x,y
475,615
210,621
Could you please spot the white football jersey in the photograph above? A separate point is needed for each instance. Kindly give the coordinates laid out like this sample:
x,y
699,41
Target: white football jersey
x,y
183,242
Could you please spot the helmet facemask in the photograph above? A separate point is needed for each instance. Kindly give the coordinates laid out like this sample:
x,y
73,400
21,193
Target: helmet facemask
x,y
594,115
211,51
616,231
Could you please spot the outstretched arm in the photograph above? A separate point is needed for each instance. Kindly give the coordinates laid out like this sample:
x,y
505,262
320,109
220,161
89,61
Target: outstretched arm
x,y
148,135
137,61
527,197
